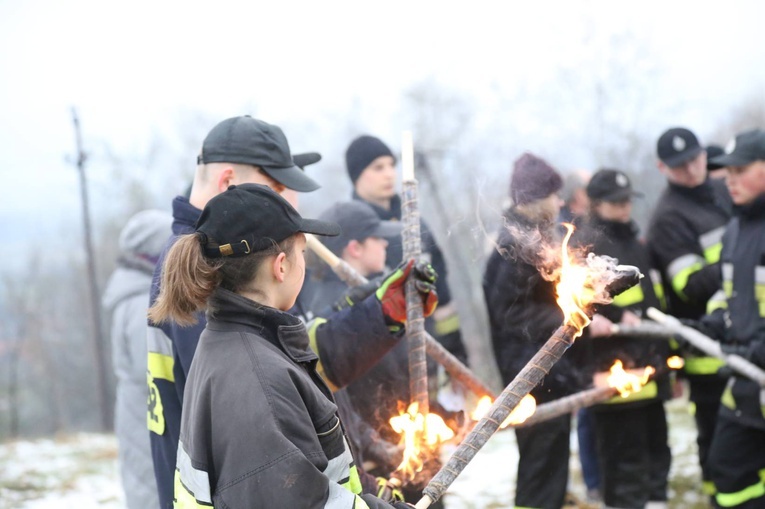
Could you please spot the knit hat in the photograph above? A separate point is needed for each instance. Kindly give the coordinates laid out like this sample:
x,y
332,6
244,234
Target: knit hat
x,y
361,152
533,179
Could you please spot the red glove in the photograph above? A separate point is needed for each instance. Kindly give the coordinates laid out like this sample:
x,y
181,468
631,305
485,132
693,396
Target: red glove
x,y
392,291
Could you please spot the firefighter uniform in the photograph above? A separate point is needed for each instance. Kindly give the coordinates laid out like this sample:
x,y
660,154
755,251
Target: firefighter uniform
x,y
737,455
633,451
359,337
684,243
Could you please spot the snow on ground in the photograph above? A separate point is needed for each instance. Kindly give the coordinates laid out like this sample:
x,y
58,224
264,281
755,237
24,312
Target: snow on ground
x,y
80,471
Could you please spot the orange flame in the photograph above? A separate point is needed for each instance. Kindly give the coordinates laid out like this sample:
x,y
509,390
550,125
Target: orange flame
x,y
525,409
574,290
627,383
675,362
421,435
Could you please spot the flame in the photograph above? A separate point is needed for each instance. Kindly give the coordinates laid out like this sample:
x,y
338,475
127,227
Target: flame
x,y
574,288
627,383
525,409
675,362
421,435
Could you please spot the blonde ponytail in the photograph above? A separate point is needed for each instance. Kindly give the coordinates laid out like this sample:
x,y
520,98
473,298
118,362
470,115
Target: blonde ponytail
x,y
188,281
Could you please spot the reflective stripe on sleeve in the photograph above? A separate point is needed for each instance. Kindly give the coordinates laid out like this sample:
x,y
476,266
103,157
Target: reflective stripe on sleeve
x,y
703,365
192,486
717,301
681,269
312,327
448,325
727,276
711,244
658,287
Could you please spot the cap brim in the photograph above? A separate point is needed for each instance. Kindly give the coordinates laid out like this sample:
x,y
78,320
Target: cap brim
x,y
319,227
680,159
293,178
732,159
306,159
388,229
621,195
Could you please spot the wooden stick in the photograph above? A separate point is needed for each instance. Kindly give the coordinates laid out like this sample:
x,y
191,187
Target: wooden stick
x,y
568,404
709,346
436,350
415,322
522,384
646,329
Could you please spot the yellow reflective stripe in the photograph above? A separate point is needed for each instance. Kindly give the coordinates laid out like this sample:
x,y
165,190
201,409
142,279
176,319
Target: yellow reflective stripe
x,y
649,390
703,365
712,253
681,269
727,399
183,498
727,277
759,294
629,297
708,488
313,326
358,503
161,366
448,325
692,408
155,415
673,344
354,481
192,485
658,287
717,301
739,497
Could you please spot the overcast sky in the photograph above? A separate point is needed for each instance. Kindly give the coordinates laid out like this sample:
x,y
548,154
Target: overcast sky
x,y
131,67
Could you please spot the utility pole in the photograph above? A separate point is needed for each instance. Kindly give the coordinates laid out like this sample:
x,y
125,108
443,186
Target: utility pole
x,y
97,333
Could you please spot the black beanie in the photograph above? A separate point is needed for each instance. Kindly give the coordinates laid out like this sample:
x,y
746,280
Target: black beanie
x,y
361,152
533,179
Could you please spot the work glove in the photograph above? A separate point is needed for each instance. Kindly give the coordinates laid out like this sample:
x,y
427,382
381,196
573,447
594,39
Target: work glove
x,y
389,491
392,292
356,294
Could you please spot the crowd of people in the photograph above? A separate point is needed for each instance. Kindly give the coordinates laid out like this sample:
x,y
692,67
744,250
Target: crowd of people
x,y
271,383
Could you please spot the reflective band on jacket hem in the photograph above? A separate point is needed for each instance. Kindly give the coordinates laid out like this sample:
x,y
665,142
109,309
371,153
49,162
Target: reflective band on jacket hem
x,y
649,391
190,481
629,297
703,365
733,499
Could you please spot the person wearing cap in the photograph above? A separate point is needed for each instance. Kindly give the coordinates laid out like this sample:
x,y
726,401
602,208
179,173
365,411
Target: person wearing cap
x,y
371,167
126,299
523,313
239,150
715,170
260,427
631,433
737,320
683,238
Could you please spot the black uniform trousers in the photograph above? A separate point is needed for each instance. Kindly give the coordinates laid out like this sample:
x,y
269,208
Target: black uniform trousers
x,y
705,394
633,452
737,463
543,464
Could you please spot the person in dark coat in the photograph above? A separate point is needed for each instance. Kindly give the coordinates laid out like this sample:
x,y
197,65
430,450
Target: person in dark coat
x,y
631,432
523,313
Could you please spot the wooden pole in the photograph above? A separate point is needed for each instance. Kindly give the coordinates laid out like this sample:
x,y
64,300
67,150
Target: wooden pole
x,y
415,322
98,338
436,350
531,374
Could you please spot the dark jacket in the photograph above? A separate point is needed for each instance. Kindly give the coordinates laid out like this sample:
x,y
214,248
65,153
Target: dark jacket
x,y
448,332
347,345
684,244
740,322
620,241
260,427
523,312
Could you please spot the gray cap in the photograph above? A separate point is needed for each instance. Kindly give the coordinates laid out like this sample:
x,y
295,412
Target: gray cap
x,y
358,221
745,148
245,140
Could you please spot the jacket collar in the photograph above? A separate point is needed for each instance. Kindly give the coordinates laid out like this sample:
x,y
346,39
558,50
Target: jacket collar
x,y
185,215
701,193
754,210
615,229
394,214
230,311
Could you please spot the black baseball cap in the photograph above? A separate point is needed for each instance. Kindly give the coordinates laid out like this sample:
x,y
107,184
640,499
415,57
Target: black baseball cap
x,y
677,146
611,186
745,148
358,221
248,218
246,140
712,152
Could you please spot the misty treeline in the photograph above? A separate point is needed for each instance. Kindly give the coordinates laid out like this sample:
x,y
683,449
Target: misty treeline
x,y
465,154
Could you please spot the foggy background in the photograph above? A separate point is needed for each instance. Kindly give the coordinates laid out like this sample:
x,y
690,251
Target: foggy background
x,y
584,84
